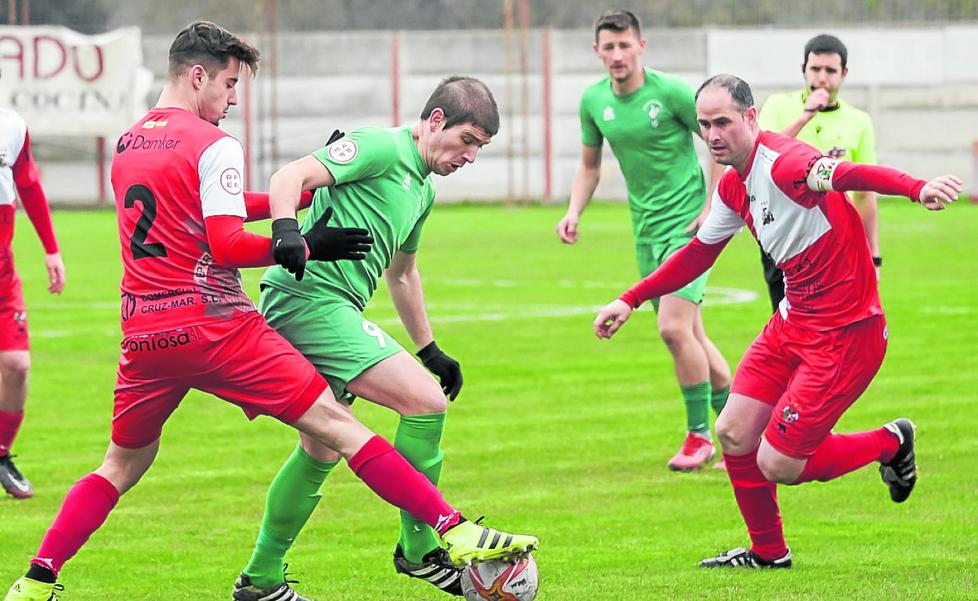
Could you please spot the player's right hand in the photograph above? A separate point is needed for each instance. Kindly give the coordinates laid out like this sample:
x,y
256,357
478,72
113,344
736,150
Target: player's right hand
x,y
567,228
288,246
611,318
336,243
939,191
56,272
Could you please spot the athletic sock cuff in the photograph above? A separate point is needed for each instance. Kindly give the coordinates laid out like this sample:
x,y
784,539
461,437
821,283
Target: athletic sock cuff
x,y
103,485
312,462
372,449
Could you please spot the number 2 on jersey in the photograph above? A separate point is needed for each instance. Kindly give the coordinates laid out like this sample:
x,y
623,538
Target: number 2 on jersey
x,y
137,243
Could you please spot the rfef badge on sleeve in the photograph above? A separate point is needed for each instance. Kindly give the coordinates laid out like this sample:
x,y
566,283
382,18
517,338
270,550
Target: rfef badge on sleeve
x,y
343,151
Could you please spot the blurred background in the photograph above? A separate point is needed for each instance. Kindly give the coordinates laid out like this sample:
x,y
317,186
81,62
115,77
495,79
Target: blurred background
x,y
346,63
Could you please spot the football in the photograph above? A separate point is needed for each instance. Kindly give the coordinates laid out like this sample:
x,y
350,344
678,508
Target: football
x,y
500,580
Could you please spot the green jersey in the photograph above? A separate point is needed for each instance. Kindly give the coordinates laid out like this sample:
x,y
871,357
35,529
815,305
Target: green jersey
x,y
844,133
382,185
651,133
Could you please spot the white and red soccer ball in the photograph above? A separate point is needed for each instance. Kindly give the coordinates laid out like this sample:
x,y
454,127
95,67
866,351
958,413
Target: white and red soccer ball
x,y
500,580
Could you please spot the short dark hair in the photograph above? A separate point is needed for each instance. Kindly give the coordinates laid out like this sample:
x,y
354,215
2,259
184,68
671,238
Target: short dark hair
x,y
738,88
464,100
210,46
617,19
825,44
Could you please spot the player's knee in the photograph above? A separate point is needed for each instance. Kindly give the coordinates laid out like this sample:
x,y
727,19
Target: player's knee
x,y
675,333
720,376
776,471
422,399
731,437
16,367
432,402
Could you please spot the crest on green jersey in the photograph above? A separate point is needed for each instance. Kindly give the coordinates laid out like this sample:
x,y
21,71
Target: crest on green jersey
x,y
653,108
609,114
343,151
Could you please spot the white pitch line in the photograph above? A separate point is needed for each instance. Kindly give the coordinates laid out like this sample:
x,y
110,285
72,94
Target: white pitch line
x,y
714,297
945,310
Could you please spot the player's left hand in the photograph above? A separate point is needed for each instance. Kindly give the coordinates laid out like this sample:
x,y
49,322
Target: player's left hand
x,y
939,191
611,318
56,272
448,370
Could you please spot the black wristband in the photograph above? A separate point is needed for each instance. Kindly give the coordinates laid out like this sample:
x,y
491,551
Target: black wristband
x,y
878,261
429,351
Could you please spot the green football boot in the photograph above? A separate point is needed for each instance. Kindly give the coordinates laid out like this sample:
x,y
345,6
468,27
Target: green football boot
x,y
470,542
26,589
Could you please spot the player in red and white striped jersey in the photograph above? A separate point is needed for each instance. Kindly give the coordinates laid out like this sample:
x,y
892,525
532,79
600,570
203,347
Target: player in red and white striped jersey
x,y
187,324
823,346
19,177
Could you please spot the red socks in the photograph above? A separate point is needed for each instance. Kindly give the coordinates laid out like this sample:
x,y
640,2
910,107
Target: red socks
x,y
83,511
9,426
840,454
758,502
389,475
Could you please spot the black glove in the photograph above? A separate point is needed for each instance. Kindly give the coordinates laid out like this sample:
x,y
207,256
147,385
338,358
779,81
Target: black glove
x,y
336,243
336,135
448,370
288,247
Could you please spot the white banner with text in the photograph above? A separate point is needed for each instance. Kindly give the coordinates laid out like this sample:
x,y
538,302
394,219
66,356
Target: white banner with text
x,y
69,84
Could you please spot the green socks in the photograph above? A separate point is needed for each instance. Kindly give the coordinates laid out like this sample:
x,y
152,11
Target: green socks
x,y
719,398
697,399
294,494
418,438
292,497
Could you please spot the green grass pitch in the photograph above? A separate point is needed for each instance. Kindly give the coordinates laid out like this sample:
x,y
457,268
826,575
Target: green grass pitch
x,y
555,433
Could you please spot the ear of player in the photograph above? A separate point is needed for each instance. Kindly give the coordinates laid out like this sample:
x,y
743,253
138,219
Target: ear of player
x,y
291,249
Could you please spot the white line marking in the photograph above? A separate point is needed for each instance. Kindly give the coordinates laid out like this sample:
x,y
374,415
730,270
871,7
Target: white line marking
x,y
470,312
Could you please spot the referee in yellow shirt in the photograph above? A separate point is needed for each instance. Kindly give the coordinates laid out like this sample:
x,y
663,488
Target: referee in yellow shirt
x,y
817,116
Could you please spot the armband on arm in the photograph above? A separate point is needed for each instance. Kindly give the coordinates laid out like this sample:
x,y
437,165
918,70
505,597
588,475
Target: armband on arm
x,y
820,176
842,176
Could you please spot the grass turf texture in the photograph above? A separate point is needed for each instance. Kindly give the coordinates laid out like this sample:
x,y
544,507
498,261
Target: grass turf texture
x,y
555,433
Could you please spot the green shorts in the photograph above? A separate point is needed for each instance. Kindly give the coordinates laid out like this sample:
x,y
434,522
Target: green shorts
x,y
332,334
651,255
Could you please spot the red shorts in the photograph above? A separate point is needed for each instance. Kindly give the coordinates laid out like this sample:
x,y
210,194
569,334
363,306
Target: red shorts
x,y
810,378
13,316
243,361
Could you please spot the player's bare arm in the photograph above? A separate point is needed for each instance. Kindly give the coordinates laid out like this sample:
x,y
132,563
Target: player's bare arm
x,y
582,189
407,293
404,285
816,101
288,183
